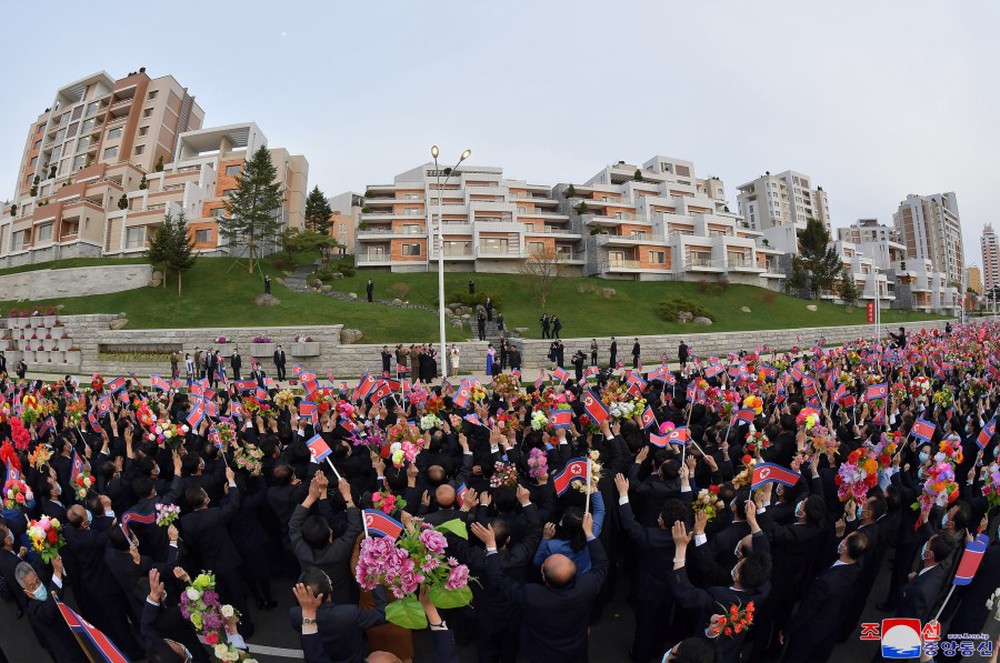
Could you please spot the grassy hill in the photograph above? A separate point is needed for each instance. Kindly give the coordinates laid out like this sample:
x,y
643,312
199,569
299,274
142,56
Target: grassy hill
x,y
218,294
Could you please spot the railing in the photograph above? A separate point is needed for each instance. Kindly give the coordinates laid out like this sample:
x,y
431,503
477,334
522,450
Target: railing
x,y
366,258
705,263
612,265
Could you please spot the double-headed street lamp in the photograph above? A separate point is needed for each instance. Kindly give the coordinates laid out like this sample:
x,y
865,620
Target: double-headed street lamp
x,y
443,356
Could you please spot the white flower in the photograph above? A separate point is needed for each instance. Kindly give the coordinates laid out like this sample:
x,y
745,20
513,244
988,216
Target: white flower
x,y
184,428
227,611
158,429
193,594
167,434
221,651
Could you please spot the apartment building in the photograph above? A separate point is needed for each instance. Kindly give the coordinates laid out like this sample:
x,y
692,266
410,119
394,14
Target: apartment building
x,y
488,223
930,228
779,205
991,257
108,158
660,221
345,219
974,279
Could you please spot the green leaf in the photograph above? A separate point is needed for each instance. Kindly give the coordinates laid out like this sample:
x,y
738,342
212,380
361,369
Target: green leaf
x,y
450,598
456,527
407,613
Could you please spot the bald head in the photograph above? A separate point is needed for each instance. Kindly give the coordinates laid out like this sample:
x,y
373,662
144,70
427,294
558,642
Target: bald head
x,y
77,516
445,496
558,571
435,474
382,657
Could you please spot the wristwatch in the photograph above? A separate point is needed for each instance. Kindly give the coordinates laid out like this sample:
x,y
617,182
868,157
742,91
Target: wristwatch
x,y
307,620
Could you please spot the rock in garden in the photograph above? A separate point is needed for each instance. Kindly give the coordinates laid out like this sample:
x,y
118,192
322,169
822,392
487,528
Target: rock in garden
x,y
118,323
811,307
397,302
701,320
337,276
352,295
456,323
326,288
348,336
609,293
266,300
685,316
156,279
745,309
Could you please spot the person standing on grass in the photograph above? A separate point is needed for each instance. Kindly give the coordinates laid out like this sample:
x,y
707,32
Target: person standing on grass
x,y
370,289
544,320
472,287
556,326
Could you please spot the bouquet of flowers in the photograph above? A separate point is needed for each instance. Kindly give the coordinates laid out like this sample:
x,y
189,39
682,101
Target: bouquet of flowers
x,y
755,403
539,421
899,391
944,397
950,450
708,502
166,433
434,404
745,476
978,387
166,514
19,434
388,503
417,558
226,431
824,441
506,385
201,606
30,410
991,485
82,484
595,473
404,451
504,474
920,387
17,495
429,421
419,396
46,537
538,464
284,398
856,476
369,436
477,392
97,383
588,426
733,622
73,415
618,401
249,458
40,457
806,419
757,441
403,431
939,489
508,421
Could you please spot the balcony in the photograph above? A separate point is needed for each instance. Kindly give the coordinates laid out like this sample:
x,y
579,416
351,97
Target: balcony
x,y
373,259
704,265
620,266
743,265
629,240
498,252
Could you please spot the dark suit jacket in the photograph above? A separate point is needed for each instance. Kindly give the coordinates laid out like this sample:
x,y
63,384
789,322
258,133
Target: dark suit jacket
x,y
514,560
972,613
554,621
8,562
655,555
46,619
335,559
279,357
207,537
814,628
917,596
342,629
88,546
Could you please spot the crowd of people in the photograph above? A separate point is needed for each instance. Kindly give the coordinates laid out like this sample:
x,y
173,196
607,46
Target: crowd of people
x,y
749,502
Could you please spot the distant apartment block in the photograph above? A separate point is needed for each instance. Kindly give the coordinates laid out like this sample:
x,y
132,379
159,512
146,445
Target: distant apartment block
x,y
345,218
779,205
109,158
991,257
974,279
930,229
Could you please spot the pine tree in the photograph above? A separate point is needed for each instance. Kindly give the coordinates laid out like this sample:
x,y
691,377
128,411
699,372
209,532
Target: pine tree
x,y
817,257
180,255
156,253
848,288
318,212
252,208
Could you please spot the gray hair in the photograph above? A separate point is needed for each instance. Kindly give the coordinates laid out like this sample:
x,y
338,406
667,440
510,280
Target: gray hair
x,y
22,571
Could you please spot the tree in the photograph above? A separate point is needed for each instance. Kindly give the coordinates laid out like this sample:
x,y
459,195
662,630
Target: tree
x,y
848,288
143,184
123,202
569,192
180,255
159,164
296,240
252,206
542,269
816,258
156,253
318,212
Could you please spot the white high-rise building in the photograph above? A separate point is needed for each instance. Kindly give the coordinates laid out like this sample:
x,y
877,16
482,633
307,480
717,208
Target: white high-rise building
x,y
779,206
991,257
930,228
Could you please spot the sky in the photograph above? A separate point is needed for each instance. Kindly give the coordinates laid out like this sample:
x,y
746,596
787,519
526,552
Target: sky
x,y
872,100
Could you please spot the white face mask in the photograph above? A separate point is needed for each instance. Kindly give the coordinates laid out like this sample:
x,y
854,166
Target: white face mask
x,y
735,573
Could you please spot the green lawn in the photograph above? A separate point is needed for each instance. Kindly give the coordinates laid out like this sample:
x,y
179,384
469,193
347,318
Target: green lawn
x,y
217,296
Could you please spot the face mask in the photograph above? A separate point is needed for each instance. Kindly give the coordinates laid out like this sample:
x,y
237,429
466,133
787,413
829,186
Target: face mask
x,y
996,450
798,510
734,573
860,509
944,521
41,593
738,550
923,550
923,456
840,550
90,516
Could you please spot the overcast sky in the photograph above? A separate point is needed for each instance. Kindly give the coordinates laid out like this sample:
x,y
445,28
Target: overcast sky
x,y
873,100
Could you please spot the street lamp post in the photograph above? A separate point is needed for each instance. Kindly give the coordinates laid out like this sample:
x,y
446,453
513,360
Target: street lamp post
x,y
443,353
878,310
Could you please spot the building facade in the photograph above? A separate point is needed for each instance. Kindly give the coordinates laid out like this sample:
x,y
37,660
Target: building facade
x,y
780,205
930,229
345,218
991,257
974,279
109,158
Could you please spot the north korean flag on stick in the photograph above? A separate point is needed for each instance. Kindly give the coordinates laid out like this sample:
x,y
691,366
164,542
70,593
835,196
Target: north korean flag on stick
x,y
765,473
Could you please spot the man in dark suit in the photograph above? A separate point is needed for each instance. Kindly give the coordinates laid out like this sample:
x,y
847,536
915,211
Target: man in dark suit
x,y
370,289
313,542
636,351
614,353
972,611
236,362
9,559
918,595
279,362
341,628
3,362
682,354
44,615
386,359
107,608
205,531
555,615
814,629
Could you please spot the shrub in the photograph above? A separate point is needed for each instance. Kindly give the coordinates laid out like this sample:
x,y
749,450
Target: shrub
x,y
669,309
399,290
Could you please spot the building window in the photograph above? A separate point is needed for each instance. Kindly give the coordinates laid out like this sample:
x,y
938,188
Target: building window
x,y
228,192
33,161
203,236
147,112
143,131
114,133
45,233
412,211
657,257
535,248
38,144
233,171
218,213
111,152
139,149
134,238
411,249
18,240
410,229
152,94
343,227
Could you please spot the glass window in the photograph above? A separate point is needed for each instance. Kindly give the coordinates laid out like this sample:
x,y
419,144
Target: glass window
x,y
38,144
111,152
134,237
114,133
203,236
233,171
45,233
143,131
18,239
152,94
33,161
147,112
411,249
536,247
139,149
228,192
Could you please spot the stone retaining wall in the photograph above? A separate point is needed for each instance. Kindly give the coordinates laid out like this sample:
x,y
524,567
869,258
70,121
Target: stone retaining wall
x,y
75,281
350,360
